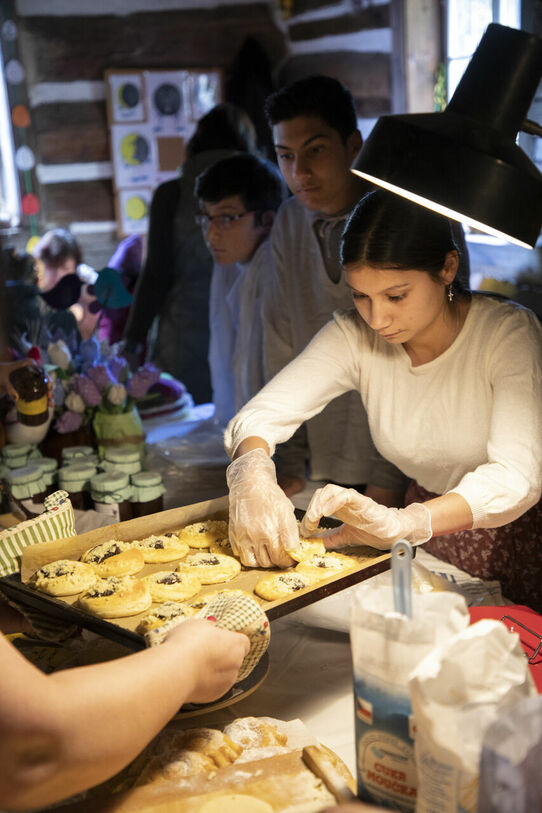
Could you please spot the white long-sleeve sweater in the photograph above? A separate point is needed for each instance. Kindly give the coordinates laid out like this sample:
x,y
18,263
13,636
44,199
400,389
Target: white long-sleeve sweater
x,y
470,421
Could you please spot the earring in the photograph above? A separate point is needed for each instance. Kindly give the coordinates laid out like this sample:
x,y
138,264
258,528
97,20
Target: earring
x,y
450,293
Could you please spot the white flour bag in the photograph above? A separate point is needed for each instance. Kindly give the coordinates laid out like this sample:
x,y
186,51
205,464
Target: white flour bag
x,y
457,691
386,646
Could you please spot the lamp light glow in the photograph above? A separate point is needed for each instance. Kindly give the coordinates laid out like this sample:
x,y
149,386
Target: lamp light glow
x,y
464,162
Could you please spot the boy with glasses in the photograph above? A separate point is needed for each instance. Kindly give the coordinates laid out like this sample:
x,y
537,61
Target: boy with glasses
x,y
238,198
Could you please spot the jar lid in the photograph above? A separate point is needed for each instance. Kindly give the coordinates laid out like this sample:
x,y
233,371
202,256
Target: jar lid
x,y
12,450
79,470
70,452
47,464
146,479
25,474
109,481
122,454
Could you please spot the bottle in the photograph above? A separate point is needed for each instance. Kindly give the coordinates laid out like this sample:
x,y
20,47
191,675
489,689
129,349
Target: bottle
x,y
147,493
75,479
122,458
32,404
111,492
49,468
28,488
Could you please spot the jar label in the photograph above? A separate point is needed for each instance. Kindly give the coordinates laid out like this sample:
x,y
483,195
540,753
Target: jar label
x,y
32,407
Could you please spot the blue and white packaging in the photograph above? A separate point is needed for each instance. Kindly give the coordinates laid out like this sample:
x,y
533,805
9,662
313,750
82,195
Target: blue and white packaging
x,y
386,647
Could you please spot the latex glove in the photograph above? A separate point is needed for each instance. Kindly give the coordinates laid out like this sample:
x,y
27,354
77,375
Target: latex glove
x,y
366,521
262,522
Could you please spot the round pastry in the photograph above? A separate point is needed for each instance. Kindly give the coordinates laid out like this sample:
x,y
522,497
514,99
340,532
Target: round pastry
x,y
169,585
281,585
163,548
254,732
114,558
323,565
202,601
307,547
221,545
65,577
116,597
165,612
203,534
210,568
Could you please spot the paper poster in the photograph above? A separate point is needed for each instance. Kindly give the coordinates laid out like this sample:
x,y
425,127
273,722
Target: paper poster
x,y
134,155
205,91
134,205
127,97
168,101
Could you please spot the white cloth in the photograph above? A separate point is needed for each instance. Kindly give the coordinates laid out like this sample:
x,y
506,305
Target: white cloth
x,y
299,301
235,348
470,421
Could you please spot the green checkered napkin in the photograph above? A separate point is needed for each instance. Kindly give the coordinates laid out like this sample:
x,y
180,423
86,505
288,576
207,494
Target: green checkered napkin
x,y
237,613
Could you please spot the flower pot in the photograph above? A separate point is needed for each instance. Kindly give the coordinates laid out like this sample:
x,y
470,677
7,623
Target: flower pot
x,y
121,429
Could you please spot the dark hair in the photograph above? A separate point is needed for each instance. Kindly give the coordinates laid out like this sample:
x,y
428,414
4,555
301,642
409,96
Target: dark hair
x,y
226,126
257,182
56,246
319,96
386,230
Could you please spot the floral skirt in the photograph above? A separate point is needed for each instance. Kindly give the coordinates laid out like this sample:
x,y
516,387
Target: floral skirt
x,y
512,553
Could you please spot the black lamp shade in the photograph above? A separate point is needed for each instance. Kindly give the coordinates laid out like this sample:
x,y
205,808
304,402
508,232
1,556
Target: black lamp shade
x,y
464,162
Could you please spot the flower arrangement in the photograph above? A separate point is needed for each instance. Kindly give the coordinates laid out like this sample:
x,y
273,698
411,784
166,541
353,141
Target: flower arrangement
x,y
95,379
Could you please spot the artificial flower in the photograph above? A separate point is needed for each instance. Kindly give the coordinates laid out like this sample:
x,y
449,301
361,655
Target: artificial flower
x,y
75,402
58,393
68,422
142,380
117,394
118,367
89,350
101,376
88,391
59,354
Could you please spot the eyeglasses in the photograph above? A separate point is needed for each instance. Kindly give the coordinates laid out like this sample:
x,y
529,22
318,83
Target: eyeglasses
x,y
222,222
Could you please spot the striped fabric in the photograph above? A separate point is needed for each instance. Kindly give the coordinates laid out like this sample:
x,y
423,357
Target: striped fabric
x,y
56,522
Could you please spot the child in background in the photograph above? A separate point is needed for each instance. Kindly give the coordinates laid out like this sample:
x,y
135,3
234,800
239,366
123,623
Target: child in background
x,y
238,198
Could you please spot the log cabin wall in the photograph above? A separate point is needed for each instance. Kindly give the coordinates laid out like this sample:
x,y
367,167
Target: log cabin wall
x,y
66,46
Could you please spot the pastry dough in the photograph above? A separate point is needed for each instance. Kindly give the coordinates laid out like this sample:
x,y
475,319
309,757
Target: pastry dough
x,y
210,568
165,612
65,577
202,601
254,732
114,558
185,753
163,548
116,597
307,547
203,534
322,566
170,585
281,585
221,545
236,803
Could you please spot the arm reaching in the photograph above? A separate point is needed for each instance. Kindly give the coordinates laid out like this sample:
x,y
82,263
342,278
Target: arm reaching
x,y
63,733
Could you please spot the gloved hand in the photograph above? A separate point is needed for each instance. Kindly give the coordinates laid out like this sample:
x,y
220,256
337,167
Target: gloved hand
x,y
262,522
366,521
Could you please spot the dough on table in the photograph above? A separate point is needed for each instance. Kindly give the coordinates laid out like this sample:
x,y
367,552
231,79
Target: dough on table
x,y
203,534
165,612
116,597
236,803
221,544
281,585
65,577
323,565
114,558
171,585
307,547
210,568
202,601
162,548
254,732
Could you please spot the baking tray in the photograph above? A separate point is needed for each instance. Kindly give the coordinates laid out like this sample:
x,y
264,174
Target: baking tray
x,y
122,630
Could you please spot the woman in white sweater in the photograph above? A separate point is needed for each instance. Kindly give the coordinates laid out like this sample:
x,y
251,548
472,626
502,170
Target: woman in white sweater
x,y
452,384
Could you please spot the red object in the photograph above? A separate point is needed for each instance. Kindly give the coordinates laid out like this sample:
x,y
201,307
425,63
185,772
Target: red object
x,y
30,204
522,615
34,353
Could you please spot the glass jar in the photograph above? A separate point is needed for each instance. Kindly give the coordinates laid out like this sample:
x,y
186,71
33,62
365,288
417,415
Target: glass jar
x,y
111,492
5,491
31,383
122,458
147,493
75,479
49,468
28,488
70,454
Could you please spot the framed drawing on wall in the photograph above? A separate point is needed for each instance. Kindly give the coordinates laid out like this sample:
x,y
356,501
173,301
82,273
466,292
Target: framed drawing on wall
x,y
151,117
